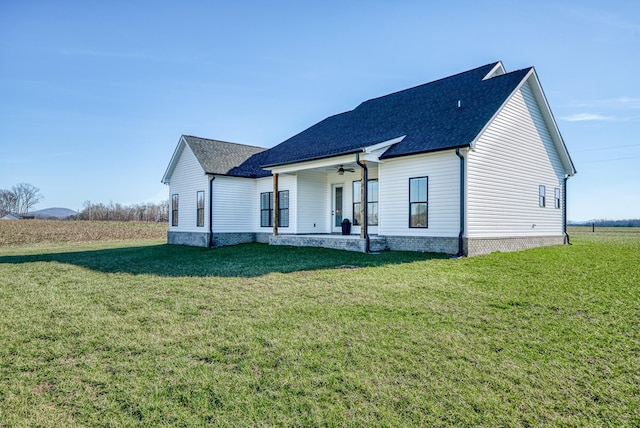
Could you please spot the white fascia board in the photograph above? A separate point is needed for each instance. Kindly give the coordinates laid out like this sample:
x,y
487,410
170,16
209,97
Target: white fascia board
x,y
495,71
166,178
545,110
369,154
554,131
372,153
319,163
383,145
498,111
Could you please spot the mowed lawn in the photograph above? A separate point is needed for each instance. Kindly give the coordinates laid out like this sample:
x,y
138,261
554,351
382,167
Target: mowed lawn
x,y
138,333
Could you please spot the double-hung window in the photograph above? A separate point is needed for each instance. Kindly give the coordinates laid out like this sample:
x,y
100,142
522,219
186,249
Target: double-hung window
x,y
542,196
200,208
372,203
356,203
174,210
283,208
266,209
418,202
557,197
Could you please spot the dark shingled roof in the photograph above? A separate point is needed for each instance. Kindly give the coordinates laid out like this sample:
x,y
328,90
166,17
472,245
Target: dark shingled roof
x,y
427,114
221,157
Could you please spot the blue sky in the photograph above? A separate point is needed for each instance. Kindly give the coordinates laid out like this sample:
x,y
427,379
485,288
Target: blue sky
x,y
95,95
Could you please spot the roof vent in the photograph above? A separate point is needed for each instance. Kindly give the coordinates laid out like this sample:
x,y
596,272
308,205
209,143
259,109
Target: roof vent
x,y
459,103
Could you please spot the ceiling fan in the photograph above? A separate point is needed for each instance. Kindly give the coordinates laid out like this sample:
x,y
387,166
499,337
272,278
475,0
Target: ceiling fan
x,y
341,170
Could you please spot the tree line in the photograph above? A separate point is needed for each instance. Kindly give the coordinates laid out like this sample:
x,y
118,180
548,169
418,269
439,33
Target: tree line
x,y
24,196
608,223
151,212
19,199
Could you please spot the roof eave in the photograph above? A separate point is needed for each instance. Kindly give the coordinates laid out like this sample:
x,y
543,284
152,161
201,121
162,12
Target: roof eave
x,y
166,178
440,149
254,176
348,152
556,136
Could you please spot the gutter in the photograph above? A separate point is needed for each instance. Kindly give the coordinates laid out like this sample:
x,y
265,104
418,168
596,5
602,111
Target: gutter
x,y
211,211
365,220
564,211
462,206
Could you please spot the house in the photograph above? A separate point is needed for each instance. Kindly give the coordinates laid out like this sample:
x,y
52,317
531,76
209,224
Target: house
x,y
466,165
11,216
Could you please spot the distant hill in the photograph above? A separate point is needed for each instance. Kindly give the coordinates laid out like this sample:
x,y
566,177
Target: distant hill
x,y
59,213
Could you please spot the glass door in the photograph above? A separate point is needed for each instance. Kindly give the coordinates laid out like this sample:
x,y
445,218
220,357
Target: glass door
x,y
336,208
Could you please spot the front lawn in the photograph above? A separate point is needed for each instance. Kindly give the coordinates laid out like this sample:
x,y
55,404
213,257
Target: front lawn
x,y
137,333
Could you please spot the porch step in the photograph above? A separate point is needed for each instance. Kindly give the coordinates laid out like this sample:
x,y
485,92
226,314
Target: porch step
x,y
337,242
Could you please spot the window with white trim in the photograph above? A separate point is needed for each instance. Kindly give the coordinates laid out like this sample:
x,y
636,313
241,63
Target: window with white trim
x,y
557,197
542,196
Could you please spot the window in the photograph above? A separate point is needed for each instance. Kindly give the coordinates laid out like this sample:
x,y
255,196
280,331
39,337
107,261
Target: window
x,y
557,194
200,208
418,202
356,203
174,210
283,208
542,196
266,209
372,204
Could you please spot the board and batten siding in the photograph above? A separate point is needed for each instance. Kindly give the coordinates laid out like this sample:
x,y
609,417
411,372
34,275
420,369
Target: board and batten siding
x,y
187,179
443,171
235,204
512,158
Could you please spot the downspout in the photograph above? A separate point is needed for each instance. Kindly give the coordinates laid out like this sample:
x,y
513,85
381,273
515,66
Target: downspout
x,y
462,213
365,221
211,211
564,211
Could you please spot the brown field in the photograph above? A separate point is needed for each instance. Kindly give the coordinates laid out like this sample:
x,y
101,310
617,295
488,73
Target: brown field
x,y
25,232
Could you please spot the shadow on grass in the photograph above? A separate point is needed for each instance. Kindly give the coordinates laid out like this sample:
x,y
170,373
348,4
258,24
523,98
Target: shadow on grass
x,y
247,260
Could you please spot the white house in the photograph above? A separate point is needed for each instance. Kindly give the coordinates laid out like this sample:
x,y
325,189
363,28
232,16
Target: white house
x,y
11,216
468,164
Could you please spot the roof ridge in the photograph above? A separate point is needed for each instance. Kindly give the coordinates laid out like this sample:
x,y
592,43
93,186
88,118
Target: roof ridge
x,y
527,69
491,65
225,142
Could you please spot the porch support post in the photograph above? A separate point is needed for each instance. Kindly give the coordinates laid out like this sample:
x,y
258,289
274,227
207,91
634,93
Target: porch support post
x,y
364,202
364,223
276,204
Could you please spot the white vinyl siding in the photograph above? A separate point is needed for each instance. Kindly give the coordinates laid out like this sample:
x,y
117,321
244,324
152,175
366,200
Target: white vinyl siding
x,y
443,171
234,204
285,182
187,179
512,159
313,202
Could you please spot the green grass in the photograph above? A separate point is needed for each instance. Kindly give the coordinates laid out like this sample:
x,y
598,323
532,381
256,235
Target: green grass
x,y
138,333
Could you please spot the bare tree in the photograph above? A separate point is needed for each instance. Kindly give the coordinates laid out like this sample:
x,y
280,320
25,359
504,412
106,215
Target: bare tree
x,y
8,201
153,212
27,196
